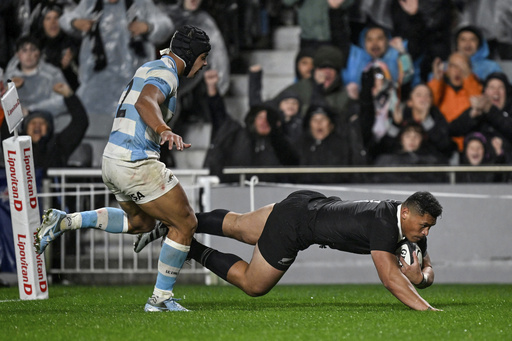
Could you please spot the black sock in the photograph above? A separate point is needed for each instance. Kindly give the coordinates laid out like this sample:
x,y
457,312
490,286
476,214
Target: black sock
x,y
211,222
217,262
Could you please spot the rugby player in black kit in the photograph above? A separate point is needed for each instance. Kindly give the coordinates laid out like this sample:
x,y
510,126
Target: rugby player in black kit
x,y
279,231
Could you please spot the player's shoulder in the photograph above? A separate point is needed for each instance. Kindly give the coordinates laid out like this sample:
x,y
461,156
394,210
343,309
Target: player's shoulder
x,y
388,207
163,69
380,209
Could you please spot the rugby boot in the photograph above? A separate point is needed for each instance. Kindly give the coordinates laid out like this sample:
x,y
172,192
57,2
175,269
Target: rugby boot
x,y
144,239
170,304
49,229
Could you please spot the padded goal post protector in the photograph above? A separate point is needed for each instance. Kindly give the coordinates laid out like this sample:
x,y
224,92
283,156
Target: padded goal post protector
x,y
25,216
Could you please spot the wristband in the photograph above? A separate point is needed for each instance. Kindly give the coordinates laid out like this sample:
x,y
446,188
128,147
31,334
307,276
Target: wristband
x,y
161,128
423,283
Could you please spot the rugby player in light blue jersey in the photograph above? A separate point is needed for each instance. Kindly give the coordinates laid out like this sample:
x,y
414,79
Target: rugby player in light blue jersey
x,y
145,189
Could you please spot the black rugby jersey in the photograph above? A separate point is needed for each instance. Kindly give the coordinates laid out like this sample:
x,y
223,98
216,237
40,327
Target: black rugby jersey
x,y
357,226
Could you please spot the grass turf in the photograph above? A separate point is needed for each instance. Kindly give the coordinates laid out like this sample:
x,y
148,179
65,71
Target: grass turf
x,y
302,312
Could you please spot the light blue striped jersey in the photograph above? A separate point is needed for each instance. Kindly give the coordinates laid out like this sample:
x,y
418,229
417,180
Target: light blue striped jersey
x,y
131,139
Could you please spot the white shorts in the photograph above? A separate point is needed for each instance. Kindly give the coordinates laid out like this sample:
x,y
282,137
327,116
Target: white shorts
x,y
140,181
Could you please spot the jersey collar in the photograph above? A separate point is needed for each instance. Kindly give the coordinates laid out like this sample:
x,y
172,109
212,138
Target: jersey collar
x,y
168,59
399,225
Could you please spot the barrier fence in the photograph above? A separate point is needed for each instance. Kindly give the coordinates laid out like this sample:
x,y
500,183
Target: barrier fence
x,y
243,172
90,251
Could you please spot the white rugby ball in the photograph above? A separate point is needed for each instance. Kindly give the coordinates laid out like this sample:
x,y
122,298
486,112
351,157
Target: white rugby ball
x,y
405,249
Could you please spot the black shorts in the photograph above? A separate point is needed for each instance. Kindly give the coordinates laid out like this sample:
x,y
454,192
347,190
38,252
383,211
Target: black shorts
x,y
287,231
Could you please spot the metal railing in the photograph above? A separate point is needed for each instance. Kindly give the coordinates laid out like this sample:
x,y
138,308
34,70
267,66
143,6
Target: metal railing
x,y
450,170
90,251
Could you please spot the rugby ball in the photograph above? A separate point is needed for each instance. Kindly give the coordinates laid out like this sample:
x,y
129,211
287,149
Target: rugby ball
x,y
405,249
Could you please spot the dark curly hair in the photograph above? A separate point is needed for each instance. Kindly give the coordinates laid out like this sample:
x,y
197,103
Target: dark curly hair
x,y
424,202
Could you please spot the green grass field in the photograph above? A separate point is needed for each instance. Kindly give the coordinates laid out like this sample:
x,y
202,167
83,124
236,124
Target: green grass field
x,y
302,312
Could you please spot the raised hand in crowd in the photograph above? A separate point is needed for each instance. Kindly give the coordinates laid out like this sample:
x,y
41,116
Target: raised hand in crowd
x,y
398,113
63,89
438,68
497,144
479,105
352,90
83,25
211,79
398,44
138,28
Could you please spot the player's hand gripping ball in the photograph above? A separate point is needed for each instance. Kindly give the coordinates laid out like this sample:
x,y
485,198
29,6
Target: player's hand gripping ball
x,y
405,249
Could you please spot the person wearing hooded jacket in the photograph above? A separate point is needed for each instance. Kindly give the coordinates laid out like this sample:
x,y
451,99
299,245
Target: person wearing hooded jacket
x,y
375,43
321,145
470,41
477,152
260,142
490,114
288,104
326,87
492,17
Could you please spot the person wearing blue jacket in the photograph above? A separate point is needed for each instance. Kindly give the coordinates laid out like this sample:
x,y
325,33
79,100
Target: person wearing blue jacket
x,y
470,41
375,44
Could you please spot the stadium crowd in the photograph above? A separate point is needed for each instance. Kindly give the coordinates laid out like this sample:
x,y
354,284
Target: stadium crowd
x,y
392,82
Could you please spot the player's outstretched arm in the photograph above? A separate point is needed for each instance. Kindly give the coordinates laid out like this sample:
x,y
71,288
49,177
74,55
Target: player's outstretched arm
x,y
396,282
148,107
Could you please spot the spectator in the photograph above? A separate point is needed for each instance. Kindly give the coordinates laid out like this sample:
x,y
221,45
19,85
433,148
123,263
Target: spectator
x,y
34,80
51,148
452,89
117,37
323,23
322,146
260,143
419,109
288,104
411,152
326,88
378,104
470,42
326,83
426,26
375,44
490,113
57,48
192,106
492,17
289,109
476,153
304,64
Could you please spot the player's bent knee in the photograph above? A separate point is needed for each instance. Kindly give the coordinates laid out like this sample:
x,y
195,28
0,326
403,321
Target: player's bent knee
x,y
191,223
187,223
256,290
